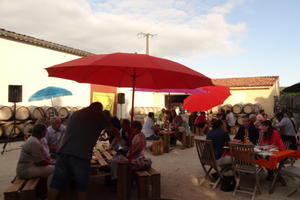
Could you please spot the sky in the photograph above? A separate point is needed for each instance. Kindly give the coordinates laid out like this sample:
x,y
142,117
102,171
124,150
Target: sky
x,y
219,38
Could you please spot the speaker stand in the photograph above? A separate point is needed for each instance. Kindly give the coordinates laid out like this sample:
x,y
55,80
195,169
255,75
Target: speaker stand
x,y
12,132
121,111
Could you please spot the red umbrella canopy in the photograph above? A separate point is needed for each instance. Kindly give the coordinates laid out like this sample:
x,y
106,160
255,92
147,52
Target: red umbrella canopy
x,y
215,96
129,70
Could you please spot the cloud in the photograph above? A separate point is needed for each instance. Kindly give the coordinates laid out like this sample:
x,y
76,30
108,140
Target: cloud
x,y
183,28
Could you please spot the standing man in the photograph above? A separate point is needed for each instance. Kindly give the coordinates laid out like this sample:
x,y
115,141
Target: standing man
x,y
287,130
75,153
230,120
54,135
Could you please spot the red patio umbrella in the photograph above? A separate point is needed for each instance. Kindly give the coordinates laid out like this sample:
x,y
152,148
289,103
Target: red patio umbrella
x,y
215,95
130,70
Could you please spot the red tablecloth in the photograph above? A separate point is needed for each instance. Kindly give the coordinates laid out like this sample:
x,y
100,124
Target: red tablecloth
x,y
272,161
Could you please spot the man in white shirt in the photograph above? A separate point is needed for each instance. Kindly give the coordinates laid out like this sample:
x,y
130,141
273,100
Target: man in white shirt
x,y
148,128
54,134
34,161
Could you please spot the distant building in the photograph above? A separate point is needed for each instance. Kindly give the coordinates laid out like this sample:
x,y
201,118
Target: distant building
x,y
263,90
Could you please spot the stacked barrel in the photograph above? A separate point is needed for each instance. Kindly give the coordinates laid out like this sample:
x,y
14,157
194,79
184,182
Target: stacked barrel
x,y
26,117
242,110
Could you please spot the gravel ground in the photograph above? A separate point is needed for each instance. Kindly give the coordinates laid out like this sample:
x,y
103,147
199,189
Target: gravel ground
x,y
181,174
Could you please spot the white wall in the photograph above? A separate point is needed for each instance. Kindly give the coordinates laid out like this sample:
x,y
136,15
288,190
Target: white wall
x,y
142,99
23,64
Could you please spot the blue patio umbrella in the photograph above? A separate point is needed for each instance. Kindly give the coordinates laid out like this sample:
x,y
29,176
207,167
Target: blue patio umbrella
x,y
49,93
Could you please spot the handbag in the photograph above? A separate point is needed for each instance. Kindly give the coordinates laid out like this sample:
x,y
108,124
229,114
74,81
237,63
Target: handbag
x,y
141,163
228,183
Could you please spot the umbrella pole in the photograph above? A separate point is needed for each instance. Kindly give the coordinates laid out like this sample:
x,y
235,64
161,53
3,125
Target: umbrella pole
x,y
133,92
132,112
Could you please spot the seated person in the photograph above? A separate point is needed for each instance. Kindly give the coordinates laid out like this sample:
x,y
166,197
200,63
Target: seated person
x,y
138,142
55,132
181,125
148,128
34,161
270,135
219,139
112,130
248,133
124,137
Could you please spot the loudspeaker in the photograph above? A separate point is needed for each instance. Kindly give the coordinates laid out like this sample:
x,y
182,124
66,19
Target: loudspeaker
x,y
121,98
15,93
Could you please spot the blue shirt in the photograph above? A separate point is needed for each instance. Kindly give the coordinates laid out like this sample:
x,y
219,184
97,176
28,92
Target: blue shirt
x,y
219,139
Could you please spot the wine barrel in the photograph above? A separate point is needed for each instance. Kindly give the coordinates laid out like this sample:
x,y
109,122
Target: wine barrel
x,y
240,118
256,107
8,128
73,109
26,128
63,112
237,108
146,110
49,111
5,113
36,112
1,131
248,108
22,113
226,107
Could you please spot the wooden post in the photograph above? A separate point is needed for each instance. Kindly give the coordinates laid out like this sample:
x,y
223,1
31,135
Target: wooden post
x,y
192,140
124,183
143,184
166,142
155,183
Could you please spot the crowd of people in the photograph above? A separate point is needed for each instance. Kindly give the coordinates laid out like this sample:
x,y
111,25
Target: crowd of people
x,y
61,153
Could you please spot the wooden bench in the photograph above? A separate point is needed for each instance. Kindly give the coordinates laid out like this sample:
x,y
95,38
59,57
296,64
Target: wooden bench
x,y
100,159
148,184
22,189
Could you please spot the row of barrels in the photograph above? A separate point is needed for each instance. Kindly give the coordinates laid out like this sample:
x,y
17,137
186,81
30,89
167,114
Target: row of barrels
x,y
247,108
20,129
145,110
33,112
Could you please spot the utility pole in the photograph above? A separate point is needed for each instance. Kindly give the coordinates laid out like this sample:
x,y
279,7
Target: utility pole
x,y
147,36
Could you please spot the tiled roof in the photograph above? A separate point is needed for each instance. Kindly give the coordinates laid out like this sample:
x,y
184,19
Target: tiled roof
x,y
41,43
259,81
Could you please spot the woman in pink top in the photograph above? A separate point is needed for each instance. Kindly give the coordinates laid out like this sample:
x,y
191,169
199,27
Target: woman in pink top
x,y
271,136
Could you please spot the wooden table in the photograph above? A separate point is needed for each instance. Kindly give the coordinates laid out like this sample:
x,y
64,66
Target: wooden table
x,y
166,137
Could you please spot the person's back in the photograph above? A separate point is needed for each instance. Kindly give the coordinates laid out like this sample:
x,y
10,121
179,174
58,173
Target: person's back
x,y
82,133
218,137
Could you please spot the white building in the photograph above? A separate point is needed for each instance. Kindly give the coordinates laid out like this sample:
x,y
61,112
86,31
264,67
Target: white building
x,y
22,62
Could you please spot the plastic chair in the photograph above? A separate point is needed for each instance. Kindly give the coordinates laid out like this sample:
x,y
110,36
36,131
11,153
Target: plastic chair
x,y
243,162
